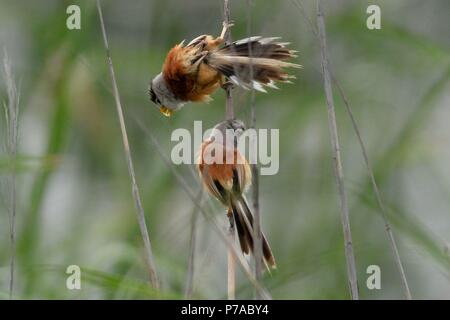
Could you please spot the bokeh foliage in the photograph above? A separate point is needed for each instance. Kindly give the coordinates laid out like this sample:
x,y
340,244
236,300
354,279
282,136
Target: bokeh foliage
x,y
75,204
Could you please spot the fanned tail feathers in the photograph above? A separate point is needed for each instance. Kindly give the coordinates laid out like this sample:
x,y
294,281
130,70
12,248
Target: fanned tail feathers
x,y
254,62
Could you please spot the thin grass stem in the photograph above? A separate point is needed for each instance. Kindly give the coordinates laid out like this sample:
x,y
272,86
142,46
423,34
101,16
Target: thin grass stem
x,y
229,113
338,169
257,250
12,124
135,190
189,288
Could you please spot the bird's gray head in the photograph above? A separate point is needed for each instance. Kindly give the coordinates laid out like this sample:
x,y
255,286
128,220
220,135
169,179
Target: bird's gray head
x,y
235,127
163,97
234,124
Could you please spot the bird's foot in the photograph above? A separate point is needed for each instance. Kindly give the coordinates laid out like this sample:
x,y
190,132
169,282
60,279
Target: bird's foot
x,y
226,25
227,84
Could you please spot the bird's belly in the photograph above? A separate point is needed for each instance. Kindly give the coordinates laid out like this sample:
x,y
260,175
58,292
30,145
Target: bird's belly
x,y
207,81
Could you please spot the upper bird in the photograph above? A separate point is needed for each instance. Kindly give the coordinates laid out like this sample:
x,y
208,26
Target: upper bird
x,y
194,71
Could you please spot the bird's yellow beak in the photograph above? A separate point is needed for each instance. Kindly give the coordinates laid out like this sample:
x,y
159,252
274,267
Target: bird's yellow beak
x,y
165,111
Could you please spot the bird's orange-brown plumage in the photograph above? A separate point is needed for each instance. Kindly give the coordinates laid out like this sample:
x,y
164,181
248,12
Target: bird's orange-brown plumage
x,y
189,81
222,171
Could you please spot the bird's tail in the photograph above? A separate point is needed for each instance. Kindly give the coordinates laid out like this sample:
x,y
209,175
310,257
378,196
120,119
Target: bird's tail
x,y
243,219
254,62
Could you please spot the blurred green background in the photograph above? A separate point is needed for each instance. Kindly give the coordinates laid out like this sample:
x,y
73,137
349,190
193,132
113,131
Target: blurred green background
x,y
74,198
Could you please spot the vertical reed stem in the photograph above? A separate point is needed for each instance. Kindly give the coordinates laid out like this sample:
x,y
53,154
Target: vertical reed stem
x,y
339,172
257,250
189,288
231,279
12,124
229,113
135,190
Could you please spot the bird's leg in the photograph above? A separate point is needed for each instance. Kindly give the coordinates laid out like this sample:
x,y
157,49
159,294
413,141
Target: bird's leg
x,y
226,26
213,43
221,39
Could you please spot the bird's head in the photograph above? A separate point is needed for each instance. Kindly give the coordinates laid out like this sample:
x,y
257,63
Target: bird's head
x,y
235,127
162,96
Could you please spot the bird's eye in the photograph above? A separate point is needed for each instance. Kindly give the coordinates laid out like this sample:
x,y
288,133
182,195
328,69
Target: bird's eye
x,y
153,96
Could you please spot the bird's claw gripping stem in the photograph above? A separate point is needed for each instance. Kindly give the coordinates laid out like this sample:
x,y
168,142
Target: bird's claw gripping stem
x,y
226,25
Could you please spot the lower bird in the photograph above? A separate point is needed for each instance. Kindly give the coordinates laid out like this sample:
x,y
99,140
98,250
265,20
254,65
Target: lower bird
x,y
192,72
226,175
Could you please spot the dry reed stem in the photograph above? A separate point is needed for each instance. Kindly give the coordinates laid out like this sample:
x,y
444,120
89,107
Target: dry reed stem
x,y
231,265
229,113
338,169
189,287
135,190
12,127
257,236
